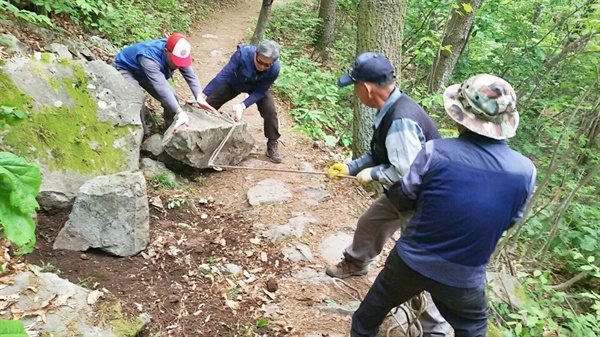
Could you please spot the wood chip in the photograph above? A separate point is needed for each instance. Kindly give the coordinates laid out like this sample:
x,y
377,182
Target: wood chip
x,y
94,296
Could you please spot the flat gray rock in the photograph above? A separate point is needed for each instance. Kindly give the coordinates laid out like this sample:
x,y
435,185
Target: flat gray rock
x,y
63,304
332,248
268,191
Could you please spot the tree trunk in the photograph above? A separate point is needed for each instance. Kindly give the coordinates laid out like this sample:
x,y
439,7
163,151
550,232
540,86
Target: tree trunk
x,y
380,29
455,38
327,12
261,25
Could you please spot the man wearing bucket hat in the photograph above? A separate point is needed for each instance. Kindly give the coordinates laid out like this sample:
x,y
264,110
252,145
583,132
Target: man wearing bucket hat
x,y
150,64
465,193
401,128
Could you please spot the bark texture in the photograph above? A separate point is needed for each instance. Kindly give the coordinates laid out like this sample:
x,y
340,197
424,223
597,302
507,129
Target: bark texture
x,y
380,29
455,37
263,19
327,12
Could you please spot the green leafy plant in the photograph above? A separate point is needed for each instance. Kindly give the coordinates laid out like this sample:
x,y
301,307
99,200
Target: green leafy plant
x,y
7,7
163,181
19,185
12,328
176,202
10,115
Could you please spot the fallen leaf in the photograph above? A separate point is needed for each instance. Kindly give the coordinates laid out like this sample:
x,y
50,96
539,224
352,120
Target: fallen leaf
x,y
94,296
62,299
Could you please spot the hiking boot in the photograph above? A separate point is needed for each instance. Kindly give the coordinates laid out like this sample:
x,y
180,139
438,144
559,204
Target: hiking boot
x,y
273,153
346,268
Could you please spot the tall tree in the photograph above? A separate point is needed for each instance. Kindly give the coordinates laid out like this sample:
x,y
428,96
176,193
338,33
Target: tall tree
x,y
327,10
454,40
380,29
263,19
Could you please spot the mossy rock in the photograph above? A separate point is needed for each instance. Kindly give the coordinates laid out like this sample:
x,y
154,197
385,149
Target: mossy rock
x,y
82,119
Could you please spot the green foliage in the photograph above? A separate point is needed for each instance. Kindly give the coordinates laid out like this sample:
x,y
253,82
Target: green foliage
x,y
7,7
19,185
12,328
549,312
294,25
321,109
10,115
123,22
316,99
176,202
80,11
163,181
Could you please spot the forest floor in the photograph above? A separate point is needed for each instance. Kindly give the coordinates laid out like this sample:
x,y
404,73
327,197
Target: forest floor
x,y
206,224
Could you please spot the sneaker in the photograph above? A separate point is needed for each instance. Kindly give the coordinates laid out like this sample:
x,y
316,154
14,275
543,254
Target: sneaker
x,y
346,269
273,153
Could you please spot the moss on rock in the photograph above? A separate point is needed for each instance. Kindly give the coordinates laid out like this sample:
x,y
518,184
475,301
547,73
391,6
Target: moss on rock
x,y
64,137
121,324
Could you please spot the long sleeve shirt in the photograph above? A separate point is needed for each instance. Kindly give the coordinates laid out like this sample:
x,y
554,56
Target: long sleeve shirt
x,y
404,140
159,82
147,62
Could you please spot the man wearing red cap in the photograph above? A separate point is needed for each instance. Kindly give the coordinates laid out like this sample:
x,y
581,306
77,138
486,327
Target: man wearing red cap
x,y
150,64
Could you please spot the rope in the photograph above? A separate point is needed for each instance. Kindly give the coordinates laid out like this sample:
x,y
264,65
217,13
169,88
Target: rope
x,y
413,308
339,280
221,167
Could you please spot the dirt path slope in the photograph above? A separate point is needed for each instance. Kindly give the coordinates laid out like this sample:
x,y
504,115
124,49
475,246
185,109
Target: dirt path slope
x,y
205,228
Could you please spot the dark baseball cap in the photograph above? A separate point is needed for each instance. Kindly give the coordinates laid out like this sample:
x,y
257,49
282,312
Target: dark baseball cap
x,y
368,67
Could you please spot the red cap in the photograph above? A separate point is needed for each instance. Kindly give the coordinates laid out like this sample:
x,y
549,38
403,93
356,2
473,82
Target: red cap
x,y
180,49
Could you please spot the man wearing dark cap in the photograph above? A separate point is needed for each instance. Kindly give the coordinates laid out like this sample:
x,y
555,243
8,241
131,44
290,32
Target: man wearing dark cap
x,y
401,128
465,193
150,64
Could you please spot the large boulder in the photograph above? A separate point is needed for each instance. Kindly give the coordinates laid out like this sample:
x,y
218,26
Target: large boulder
x,y
82,120
110,213
194,145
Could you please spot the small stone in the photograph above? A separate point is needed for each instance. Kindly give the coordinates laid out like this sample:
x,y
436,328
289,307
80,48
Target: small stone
x,y
272,285
84,257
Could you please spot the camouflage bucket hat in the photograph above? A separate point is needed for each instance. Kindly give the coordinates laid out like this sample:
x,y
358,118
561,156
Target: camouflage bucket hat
x,y
484,104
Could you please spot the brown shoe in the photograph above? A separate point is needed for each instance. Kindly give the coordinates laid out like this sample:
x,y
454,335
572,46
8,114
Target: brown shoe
x,y
273,153
346,268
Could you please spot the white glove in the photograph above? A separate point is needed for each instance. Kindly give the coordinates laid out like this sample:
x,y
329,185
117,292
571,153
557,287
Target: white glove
x,y
204,104
182,120
364,176
238,109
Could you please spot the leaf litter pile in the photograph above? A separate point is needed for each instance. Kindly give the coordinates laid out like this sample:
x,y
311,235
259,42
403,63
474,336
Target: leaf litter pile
x,y
204,272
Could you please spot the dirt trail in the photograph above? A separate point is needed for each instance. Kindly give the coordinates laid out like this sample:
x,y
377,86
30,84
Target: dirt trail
x,y
213,43
168,280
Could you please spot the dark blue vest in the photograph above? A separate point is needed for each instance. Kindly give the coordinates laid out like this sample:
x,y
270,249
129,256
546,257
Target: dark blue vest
x,y
404,107
472,190
128,57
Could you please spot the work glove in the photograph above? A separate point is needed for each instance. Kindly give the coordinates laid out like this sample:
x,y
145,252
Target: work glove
x,y
364,176
204,104
182,120
238,110
336,169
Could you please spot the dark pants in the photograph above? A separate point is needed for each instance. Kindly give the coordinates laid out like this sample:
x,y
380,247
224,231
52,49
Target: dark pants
x,y
464,308
141,81
266,107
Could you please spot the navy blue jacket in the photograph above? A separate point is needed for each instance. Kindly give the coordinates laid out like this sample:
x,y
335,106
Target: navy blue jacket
x,y
241,74
467,191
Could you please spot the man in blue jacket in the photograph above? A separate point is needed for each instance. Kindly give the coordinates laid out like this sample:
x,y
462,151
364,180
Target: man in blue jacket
x,y
251,70
465,193
150,64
